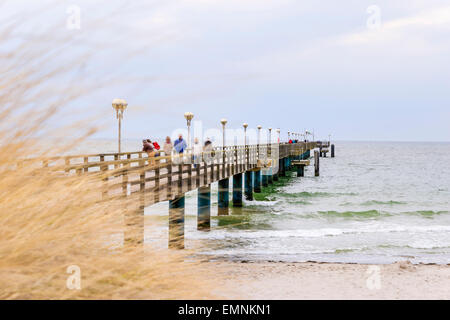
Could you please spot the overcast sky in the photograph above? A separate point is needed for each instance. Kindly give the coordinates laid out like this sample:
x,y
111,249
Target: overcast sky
x,y
324,65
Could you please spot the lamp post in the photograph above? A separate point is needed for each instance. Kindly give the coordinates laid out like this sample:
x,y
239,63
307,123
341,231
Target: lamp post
x,y
223,122
245,125
270,136
259,139
278,133
222,200
189,116
246,154
119,105
289,136
259,134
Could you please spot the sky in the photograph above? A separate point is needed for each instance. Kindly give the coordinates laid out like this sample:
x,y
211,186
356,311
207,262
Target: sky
x,y
355,69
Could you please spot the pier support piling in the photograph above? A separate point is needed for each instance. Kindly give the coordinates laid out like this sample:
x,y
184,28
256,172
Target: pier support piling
x,y
332,150
265,180
176,223
248,185
300,171
316,163
237,190
282,172
204,208
257,181
270,177
223,197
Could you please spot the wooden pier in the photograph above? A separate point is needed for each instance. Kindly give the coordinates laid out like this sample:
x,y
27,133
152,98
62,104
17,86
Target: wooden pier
x,y
147,180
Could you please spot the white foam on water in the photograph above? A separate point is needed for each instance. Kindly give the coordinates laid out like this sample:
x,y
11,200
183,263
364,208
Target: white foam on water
x,y
313,233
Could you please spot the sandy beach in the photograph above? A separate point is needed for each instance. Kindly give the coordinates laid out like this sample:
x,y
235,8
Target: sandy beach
x,y
277,280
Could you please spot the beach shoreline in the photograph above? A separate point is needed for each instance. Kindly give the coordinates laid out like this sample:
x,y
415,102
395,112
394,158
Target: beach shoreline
x,y
316,280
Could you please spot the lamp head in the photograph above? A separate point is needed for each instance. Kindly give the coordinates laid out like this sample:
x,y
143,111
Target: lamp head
x,y
259,127
188,116
119,105
223,121
245,125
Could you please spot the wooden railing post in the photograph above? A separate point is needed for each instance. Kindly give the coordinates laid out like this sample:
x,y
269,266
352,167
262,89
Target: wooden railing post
x,y
116,158
142,176
86,161
223,162
180,179
67,164
236,160
212,170
205,173
190,176
169,180
125,181
157,182
197,173
103,169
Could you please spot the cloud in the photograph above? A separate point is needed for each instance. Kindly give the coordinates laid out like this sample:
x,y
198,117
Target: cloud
x,y
437,19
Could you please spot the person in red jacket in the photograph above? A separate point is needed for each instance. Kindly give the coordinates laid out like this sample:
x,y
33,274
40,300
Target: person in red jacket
x,y
156,145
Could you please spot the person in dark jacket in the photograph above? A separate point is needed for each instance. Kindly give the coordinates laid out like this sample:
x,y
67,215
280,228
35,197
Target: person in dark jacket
x,y
149,149
147,146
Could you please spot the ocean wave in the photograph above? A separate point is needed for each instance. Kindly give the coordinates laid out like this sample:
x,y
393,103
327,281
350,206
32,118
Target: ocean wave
x,y
427,213
417,245
316,233
375,202
260,203
304,202
353,214
378,213
306,194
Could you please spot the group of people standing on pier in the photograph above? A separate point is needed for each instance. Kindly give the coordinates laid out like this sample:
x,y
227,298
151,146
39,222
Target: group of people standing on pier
x,y
179,146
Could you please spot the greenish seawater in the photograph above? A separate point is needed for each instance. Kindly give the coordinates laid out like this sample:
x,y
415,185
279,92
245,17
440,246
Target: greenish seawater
x,y
376,202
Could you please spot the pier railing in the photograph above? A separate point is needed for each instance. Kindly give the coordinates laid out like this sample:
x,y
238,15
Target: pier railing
x,y
166,176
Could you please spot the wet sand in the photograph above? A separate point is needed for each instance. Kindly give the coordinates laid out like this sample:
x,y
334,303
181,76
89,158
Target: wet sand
x,y
279,280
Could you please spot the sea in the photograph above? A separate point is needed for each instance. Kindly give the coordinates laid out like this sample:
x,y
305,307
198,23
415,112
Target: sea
x,y
374,202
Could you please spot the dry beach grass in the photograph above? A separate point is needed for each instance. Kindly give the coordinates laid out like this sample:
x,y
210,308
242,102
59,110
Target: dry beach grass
x,y
50,221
